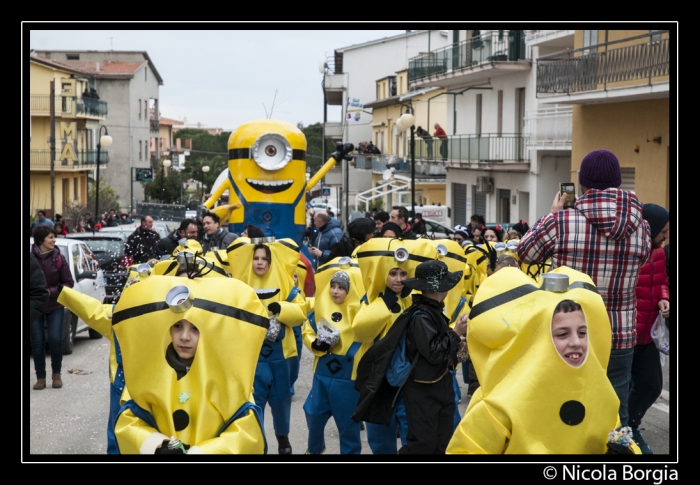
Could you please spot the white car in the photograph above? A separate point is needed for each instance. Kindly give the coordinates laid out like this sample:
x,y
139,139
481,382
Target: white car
x,y
438,231
88,279
159,226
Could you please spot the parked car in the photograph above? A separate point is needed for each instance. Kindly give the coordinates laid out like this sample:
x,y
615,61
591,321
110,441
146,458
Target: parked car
x,y
88,278
436,230
108,246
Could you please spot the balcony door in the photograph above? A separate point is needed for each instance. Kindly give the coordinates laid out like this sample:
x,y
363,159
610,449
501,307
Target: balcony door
x,y
519,123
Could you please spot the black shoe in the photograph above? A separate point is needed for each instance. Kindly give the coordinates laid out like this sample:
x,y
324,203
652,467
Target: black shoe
x,y
284,446
362,425
643,446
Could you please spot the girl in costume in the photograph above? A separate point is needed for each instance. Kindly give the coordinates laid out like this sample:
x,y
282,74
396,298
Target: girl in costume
x,y
268,268
384,264
199,401
537,396
329,336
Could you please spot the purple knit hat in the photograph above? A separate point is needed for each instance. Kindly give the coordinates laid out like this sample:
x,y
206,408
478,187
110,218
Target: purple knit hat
x,y
600,170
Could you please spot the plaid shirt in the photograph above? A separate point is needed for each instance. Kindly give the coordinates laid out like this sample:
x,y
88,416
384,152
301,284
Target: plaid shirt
x,y
605,237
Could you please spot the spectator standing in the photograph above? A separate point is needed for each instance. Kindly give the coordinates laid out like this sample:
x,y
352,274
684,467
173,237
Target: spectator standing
x,y
652,298
188,230
42,221
399,216
125,219
38,293
142,244
371,148
605,237
57,274
112,219
428,140
215,236
418,224
88,223
329,233
359,231
380,218
440,133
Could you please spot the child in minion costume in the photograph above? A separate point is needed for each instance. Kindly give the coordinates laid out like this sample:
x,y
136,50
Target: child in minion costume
x,y
266,175
277,292
207,408
335,366
530,399
299,278
380,307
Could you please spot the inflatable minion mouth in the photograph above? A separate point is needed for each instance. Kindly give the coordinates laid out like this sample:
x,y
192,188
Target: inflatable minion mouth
x,y
270,186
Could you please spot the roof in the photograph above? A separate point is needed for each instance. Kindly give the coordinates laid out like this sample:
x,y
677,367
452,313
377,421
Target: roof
x,y
56,65
107,68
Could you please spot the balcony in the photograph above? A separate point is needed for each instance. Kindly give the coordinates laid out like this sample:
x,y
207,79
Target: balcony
x,y
333,131
85,160
155,126
485,49
549,128
487,150
633,68
560,39
92,107
40,105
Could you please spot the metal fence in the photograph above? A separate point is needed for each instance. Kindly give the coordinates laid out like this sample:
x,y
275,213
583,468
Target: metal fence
x,y
84,158
595,67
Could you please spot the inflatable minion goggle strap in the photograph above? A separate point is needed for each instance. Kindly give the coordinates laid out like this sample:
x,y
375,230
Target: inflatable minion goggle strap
x,y
451,253
196,265
231,322
378,256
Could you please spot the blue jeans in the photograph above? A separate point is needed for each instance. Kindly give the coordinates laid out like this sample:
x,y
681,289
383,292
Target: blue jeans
x,y
620,376
54,324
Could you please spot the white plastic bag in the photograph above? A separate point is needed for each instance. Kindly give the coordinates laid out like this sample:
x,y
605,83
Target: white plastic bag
x,y
661,337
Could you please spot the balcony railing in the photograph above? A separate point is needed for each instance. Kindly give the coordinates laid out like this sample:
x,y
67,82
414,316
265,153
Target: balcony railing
x,y
41,104
92,107
84,159
596,67
497,45
549,127
155,125
486,147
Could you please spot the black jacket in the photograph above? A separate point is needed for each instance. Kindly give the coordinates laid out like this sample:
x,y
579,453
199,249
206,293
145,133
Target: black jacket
x,y
142,245
430,336
168,244
38,294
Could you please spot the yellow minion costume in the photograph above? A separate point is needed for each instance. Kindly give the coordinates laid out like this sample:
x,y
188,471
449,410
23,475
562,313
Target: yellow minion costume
x,y
335,367
530,399
208,408
276,291
376,258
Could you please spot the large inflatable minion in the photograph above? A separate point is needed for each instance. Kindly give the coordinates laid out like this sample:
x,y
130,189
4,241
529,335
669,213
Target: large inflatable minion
x,y
266,175
533,398
207,406
335,364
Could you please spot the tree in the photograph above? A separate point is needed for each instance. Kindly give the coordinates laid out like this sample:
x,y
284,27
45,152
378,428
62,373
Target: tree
x,y
166,189
314,146
108,199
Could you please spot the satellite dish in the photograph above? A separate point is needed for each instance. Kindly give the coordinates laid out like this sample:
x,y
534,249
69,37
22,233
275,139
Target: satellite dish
x,y
322,66
387,174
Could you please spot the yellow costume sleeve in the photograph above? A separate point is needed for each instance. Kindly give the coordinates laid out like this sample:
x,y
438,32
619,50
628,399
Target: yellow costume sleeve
x,y
308,336
372,320
135,437
243,436
97,315
293,314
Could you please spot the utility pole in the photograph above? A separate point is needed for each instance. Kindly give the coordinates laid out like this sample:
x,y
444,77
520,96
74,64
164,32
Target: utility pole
x,y
52,151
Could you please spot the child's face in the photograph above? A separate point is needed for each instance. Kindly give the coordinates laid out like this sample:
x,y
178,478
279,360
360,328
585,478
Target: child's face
x,y
395,279
185,339
570,335
261,265
296,280
338,293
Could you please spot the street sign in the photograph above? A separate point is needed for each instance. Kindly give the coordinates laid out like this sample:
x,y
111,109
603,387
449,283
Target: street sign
x,y
144,174
326,191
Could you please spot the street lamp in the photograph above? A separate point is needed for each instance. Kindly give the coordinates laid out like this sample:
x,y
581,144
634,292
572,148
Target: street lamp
x,y
405,122
205,169
166,164
105,140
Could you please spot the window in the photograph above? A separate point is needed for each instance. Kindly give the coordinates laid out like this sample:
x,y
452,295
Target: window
x,y
75,188
459,203
73,57
628,177
140,150
499,121
476,39
590,37
478,114
139,109
145,73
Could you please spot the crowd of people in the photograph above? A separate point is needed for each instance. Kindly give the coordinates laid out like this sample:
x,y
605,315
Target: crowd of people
x,y
389,315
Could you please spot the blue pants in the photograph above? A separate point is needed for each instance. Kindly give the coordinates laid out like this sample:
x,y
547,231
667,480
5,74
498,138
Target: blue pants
x,y
54,325
382,439
620,375
272,385
294,361
458,395
338,398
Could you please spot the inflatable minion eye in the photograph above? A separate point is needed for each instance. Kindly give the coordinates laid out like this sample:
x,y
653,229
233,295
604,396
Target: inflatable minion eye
x,y
442,250
143,269
179,299
555,282
344,262
499,247
185,258
401,255
271,151
512,245
268,239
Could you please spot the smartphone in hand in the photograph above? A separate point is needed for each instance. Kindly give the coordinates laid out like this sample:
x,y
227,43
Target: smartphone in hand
x,y
568,190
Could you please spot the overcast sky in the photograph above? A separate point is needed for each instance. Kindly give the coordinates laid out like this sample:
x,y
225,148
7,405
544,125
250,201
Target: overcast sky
x,y
222,78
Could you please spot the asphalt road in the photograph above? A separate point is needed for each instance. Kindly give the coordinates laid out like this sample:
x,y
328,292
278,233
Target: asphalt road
x,y
72,420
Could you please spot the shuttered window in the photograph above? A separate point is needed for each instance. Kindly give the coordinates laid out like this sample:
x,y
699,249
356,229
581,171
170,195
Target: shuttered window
x,y
459,204
479,202
627,179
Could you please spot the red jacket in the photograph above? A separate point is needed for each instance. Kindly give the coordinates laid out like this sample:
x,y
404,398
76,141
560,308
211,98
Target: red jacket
x,y
440,133
651,288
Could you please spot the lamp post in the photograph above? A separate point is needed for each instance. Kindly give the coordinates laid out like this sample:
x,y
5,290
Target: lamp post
x,y
205,169
166,164
405,122
105,140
